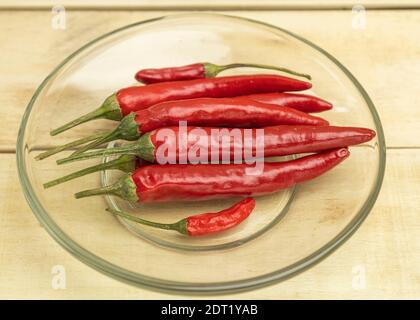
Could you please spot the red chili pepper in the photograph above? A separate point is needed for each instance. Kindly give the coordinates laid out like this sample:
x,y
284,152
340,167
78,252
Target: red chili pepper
x,y
200,71
301,102
179,182
136,98
202,224
278,141
229,112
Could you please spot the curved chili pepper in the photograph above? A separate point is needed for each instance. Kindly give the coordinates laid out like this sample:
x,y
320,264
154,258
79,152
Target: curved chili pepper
x,y
136,98
179,182
200,71
278,141
301,102
201,224
229,112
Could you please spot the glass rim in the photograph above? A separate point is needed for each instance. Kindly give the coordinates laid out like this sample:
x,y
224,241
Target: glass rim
x,y
157,284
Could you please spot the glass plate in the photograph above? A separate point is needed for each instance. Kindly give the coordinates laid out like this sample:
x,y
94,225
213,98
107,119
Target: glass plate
x,y
321,216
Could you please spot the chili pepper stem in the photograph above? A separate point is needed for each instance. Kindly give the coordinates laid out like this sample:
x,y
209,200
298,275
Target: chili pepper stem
x,y
94,154
113,135
127,130
212,70
180,226
125,163
143,148
124,188
66,146
110,109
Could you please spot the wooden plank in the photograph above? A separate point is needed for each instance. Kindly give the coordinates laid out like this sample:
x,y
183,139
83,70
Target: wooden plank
x,y
389,72
386,248
213,5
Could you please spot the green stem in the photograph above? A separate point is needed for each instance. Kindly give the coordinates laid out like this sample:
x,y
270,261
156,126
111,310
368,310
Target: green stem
x,y
112,189
125,163
69,145
128,149
142,148
104,139
177,226
110,109
213,70
128,129
124,188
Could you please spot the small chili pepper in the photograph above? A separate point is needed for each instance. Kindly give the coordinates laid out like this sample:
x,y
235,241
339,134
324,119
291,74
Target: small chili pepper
x,y
301,102
186,182
278,141
201,224
136,98
200,71
229,112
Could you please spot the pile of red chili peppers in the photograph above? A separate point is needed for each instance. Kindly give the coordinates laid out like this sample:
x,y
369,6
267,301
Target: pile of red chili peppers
x,y
192,93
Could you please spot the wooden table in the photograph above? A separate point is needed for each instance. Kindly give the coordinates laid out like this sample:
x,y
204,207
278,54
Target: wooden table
x,y
385,57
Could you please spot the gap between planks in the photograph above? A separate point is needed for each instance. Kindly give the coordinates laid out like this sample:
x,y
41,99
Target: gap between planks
x,y
200,9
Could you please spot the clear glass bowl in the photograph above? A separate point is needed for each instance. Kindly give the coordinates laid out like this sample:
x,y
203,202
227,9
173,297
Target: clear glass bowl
x,y
288,232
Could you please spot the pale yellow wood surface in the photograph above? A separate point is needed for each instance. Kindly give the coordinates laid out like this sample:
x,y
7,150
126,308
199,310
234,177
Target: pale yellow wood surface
x,y
384,57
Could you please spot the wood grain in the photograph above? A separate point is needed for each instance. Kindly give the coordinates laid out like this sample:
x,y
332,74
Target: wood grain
x,y
384,57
